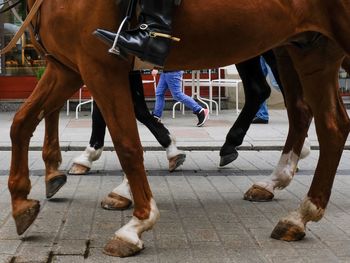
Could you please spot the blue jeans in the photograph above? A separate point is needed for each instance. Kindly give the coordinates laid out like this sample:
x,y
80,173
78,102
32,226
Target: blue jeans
x,y
263,112
173,81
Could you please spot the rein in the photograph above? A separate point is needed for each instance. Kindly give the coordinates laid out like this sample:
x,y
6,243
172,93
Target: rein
x,y
23,27
10,5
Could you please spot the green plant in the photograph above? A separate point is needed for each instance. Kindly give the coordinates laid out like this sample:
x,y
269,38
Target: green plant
x,y
39,72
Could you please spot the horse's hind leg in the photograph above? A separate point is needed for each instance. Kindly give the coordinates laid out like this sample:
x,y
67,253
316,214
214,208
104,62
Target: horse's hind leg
x,y
49,95
318,72
54,179
299,117
175,156
256,91
82,163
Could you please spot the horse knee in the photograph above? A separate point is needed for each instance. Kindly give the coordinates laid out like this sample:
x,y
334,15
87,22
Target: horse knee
x,y
18,131
337,130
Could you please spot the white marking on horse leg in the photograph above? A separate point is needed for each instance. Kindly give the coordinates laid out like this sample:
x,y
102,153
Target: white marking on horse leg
x,y
131,232
305,151
88,156
172,150
283,173
306,212
123,189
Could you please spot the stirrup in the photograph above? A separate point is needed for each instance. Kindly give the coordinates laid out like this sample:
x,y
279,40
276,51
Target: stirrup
x,y
115,49
129,14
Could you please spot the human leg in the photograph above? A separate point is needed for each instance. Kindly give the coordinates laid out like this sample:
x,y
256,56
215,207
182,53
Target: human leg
x,y
262,116
151,40
160,96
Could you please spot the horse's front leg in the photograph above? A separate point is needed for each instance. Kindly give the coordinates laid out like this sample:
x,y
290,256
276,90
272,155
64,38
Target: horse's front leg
x,y
54,179
111,92
318,71
48,96
299,117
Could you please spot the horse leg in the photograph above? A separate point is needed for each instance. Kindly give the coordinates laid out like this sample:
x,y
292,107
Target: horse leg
x,y
54,179
256,91
49,95
318,72
82,163
115,103
175,156
271,60
299,117
120,197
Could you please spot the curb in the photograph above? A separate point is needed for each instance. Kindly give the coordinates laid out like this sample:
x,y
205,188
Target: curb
x,y
184,148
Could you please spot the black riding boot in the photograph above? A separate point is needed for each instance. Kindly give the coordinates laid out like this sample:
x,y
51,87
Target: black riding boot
x,y
150,41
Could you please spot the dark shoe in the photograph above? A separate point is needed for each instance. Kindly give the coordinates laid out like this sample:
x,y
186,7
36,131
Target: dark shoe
x,y
150,41
157,119
258,120
202,117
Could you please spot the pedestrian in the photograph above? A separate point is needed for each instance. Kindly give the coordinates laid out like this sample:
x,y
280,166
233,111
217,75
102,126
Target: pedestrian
x,y
172,80
262,116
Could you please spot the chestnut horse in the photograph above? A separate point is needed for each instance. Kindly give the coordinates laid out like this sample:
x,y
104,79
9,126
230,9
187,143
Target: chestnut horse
x,y
311,38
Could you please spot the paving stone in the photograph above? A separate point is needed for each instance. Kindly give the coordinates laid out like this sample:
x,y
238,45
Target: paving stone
x,y
68,259
71,247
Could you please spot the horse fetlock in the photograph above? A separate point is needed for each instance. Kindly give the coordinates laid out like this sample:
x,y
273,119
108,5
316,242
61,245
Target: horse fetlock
x,y
282,179
306,150
131,232
309,211
123,189
88,156
172,150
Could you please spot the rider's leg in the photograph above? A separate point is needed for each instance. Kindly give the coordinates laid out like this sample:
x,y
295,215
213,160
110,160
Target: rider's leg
x,y
150,41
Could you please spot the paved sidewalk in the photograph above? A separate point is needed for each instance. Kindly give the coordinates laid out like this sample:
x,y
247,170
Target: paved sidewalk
x,y
203,216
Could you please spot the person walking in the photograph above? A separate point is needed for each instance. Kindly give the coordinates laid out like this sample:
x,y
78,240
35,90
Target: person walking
x,y
262,116
172,80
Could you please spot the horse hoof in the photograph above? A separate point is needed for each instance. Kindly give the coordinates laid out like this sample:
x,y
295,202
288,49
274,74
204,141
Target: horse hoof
x,y
229,158
176,161
78,169
288,232
25,217
117,247
115,202
258,194
55,184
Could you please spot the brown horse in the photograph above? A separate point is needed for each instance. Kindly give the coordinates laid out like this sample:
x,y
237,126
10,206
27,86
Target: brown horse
x,y
312,37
